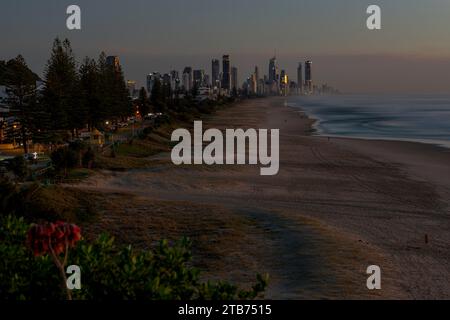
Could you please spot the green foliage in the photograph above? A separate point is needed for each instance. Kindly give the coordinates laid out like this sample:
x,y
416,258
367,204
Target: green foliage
x,y
24,277
19,167
21,90
143,102
10,196
64,158
157,97
88,158
60,86
108,272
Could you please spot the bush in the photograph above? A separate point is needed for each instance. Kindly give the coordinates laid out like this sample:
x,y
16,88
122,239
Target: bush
x,y
64,159
19,167
88,158
108,272
11,197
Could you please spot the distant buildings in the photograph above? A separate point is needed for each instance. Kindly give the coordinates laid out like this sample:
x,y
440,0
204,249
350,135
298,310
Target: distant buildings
x,y
131,86
188,79
234,79
273,70
215,74
273,85
227,83
175,81
284,83
299,79
151,79
308,77
199,78
226,73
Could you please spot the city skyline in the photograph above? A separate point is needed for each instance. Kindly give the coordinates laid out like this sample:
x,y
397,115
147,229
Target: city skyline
x,y
147,36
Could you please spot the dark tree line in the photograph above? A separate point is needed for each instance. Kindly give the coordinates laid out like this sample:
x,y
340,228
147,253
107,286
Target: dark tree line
x,y
73,97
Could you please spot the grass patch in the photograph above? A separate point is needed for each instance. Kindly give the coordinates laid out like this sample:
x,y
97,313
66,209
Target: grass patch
x,y
137,150
55,203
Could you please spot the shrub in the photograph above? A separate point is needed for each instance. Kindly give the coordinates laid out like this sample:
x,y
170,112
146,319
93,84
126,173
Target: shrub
x,y
64,159
19,167
88,158
11,197
108,272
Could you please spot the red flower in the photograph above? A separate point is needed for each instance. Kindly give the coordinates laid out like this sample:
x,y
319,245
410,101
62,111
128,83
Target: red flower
x,y
58,236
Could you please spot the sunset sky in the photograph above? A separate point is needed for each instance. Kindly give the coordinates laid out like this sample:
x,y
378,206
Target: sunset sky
x,y
410,54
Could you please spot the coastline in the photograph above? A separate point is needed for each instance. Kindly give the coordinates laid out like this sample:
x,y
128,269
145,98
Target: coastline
x,y
335,208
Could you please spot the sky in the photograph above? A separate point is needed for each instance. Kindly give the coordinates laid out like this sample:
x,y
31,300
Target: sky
x,y
411,53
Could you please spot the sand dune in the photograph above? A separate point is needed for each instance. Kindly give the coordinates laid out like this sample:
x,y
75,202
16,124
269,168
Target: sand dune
x,y
336,207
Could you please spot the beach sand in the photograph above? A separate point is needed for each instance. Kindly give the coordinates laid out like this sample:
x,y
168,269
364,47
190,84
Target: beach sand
x,y
336,207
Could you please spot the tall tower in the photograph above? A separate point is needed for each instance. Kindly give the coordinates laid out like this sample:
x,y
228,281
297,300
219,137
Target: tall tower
x,y
273,70
308,76
234,78
215,73
199,77
188,79
299,79
258,91
226,81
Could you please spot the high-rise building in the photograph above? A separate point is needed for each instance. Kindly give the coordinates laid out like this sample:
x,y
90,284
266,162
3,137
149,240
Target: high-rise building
x,y
226,76
253,84
151,79
234,79
273,70
284,83
206,81
308,77
215,73
299,79
131,86
188,79
199,78
174,80
258,89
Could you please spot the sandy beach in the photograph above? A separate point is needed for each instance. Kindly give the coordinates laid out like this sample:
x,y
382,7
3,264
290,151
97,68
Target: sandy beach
x,y
335,207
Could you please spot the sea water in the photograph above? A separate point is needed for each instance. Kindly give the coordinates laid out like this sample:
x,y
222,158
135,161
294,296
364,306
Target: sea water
x,y
421,118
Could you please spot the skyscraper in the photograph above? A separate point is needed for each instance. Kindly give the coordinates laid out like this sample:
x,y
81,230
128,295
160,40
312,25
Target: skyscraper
x,y
308,76
284,83
215,73
226,81
273,70
174,80
151,79
299,79
131,86
187,79
257,80
234,78
199,78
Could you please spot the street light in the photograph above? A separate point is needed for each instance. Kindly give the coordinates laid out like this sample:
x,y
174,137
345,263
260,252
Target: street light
x,y
14,135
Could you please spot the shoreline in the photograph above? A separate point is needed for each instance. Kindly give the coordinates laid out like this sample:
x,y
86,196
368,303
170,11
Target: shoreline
x,y
445,144
333,209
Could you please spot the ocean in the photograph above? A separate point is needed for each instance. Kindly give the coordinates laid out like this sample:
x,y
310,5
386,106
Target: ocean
x,y
420,118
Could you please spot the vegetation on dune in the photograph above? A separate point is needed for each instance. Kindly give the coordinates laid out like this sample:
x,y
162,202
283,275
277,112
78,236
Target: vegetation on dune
x,y
73,99
108,271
